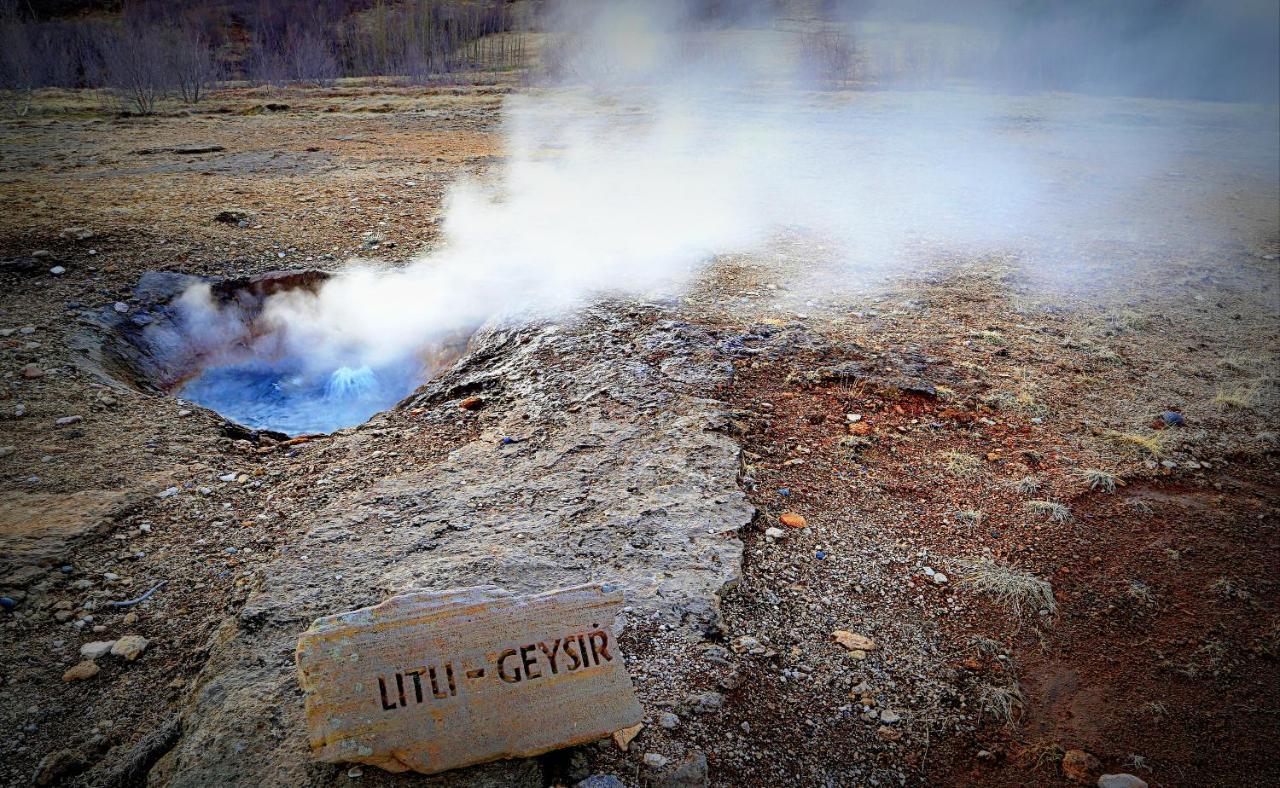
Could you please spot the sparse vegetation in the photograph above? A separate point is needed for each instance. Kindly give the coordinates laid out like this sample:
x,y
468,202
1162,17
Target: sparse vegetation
x,y
1140,592
1101,480
1018,591
961,464
1002,703
1027,485
970,517
1056,512
1154,443
1238,398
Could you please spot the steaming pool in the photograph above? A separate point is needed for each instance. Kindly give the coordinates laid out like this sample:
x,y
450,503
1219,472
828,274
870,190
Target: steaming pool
x,y
288,397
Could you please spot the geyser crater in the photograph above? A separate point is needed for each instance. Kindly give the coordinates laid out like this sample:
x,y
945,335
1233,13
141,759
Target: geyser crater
x,y
207,342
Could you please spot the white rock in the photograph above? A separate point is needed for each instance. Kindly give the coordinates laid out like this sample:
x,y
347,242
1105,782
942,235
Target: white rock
x,y
775,533
121,307
97,648
939,578
57,270
655,760
168,493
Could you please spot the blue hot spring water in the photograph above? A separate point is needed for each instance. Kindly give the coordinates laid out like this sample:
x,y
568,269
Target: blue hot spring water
x,y
286,396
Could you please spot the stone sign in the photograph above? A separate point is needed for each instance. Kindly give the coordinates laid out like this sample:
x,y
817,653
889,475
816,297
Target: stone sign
x,y
431,681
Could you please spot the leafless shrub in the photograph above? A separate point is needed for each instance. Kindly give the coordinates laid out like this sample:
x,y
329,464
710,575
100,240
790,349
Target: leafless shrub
x,y
1002,703
311,59
19,61
1007,586
192,67
829,56
135,64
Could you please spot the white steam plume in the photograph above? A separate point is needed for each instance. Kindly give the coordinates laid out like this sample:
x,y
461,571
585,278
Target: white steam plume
x,y
666,146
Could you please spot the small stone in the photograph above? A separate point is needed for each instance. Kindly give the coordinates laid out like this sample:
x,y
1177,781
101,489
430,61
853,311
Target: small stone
x,y
1079,766
5,451
668,720
85,670
68,420
97,648
168,493
601,781
1121,781
76,234
792,520
184,413
472,403
130,647
227,477
939,578
691,772
1172,418
355,773
57,270
655,760
32,371
623,737
888,734
774,533
121,307
889,717
129,619
707,702
853,641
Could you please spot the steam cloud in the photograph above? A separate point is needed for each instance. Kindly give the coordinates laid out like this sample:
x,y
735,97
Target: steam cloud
x,y
665,141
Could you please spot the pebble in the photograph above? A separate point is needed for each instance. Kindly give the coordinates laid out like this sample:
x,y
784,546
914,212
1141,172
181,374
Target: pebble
x,y
130,619
775,533
853,641
1079,766
939,578
85,670
130,647
601,781
121,307
67,420
1121,781
792,520
227,477
655,760
97,648
707,702
668,720
168,493
889,717
32,371
57,270
355,773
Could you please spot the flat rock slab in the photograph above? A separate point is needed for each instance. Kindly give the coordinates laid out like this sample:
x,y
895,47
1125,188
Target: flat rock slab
x,y
432,681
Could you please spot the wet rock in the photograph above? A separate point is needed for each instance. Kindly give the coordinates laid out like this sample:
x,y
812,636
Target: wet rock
x,y
82,671
1121,781
130,647
1080,767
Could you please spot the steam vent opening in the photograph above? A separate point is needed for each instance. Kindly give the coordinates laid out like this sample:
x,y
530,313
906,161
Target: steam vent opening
x,y
205,341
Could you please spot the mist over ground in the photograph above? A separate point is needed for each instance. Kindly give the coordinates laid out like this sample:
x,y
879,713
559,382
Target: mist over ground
x,y
660,136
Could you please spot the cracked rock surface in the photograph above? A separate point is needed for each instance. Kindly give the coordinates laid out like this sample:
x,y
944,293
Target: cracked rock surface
x,y
601,456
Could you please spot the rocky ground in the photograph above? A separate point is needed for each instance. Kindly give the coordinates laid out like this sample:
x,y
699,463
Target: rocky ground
x,y
959,527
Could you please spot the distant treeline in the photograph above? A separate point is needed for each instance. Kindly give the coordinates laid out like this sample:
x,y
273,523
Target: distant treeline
x,y
150,49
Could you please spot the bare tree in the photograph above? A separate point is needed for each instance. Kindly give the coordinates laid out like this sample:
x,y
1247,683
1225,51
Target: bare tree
x,y
192,67
135,66
311,59
19,61
829,56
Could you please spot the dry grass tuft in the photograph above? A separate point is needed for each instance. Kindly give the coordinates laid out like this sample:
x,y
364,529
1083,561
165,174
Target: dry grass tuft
x,y
1027,485
962,464
1239,398
1007,586
1141,592
1057,512
1042,753
1101,480
970,517
1155,443
1002,703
